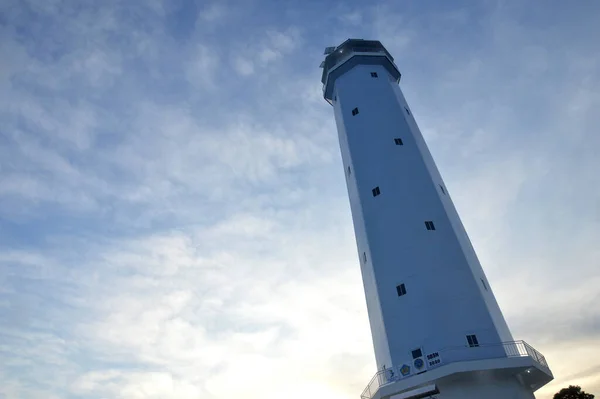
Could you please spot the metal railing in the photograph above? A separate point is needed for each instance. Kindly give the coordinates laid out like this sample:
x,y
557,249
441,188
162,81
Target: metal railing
x,y
453,355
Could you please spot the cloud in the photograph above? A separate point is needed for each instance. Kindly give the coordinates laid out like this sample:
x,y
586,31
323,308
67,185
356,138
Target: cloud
x,y
271,47
186,315
134,385
174,216
351,18
213,12
201,68
243,66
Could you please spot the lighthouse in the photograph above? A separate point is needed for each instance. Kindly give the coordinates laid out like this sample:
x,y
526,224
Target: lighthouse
x,y
437,329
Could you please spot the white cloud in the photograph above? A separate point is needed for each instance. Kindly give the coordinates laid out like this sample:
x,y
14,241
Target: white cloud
x,y
134,385
272,47
213,13
98,67
243,66
171,227
284,41
352,18
201,67
161,303
267,55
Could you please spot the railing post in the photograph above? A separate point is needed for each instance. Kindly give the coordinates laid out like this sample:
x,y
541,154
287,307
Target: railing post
x,y
540,356
509,349
531,352
521,348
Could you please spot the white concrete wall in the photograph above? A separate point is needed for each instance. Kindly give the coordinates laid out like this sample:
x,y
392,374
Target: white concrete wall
x,y
445,298
378,329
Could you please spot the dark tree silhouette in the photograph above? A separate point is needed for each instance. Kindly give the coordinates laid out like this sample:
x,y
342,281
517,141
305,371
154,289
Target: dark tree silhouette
x,y
573,392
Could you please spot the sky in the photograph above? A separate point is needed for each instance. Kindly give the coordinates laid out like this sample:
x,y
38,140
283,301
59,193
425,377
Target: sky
x,y
174,221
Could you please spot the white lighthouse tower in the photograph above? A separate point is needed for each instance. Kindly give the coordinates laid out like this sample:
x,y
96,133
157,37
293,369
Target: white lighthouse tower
x,y
437,329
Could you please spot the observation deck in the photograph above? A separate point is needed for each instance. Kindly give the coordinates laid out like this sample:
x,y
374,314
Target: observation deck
x,y
515,358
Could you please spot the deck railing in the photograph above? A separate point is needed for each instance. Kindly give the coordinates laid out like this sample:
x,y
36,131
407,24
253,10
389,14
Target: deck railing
x,y
453,355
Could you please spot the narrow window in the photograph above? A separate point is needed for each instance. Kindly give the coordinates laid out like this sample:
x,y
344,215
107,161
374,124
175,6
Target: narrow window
x,y
349,171
417,353
354,111
472,340
376,191
398,141
429,225
364,257
484,285
401,289
442,188
373,74
407,111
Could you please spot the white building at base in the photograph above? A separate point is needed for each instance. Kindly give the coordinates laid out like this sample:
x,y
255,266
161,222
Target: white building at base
x,y
437,328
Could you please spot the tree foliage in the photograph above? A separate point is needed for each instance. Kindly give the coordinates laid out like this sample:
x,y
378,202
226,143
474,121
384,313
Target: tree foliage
x,y
573,392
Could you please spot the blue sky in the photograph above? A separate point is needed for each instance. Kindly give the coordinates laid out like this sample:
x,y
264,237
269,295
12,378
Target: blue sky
x,y
174,220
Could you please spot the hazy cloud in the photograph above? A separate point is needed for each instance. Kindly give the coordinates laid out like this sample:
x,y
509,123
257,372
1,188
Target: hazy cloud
x,y
173,213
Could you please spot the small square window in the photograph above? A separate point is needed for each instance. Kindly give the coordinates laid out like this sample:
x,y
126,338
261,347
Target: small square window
x,y
407,111
429,225
376,191
401,289
442,188
355,111
364,257
373,74
417,353
472,340
349,171
398,141
484,284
